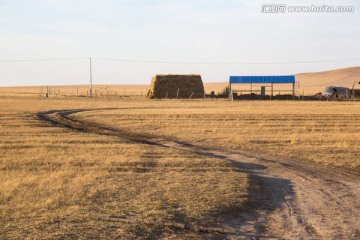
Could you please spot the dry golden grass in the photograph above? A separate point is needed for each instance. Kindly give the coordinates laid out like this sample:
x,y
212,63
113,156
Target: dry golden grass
x,y
325,132
119,90
77,90
54,181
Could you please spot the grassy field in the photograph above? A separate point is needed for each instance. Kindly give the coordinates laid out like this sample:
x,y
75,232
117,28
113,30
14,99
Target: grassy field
x,y
119,90
57,183
324,132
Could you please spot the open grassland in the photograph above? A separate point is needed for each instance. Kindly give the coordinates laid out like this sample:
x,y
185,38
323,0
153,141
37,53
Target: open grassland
x,y
77,90
57,183
324,132
309,84
118,90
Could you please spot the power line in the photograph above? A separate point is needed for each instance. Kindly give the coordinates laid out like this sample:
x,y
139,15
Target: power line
x,y
41,60
178,62
222,63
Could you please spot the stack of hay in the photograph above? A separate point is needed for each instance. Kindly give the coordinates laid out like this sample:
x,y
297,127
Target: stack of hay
x,y
176,86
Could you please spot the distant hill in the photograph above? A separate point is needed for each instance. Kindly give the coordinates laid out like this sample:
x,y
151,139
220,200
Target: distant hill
x,y
317,81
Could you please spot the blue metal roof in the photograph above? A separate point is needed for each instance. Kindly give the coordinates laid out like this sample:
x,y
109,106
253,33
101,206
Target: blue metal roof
x,y
262,79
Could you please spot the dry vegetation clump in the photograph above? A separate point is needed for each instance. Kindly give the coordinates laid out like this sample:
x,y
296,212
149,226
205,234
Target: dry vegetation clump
x,y
176,86
56,183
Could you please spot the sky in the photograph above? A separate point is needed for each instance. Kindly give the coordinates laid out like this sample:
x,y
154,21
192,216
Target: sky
x,y
131,41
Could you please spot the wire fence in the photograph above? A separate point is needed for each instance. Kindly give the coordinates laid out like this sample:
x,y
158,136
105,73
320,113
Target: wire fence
x,y
82,91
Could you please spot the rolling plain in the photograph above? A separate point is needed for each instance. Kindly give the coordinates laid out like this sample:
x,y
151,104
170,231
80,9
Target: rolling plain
x,y
129,167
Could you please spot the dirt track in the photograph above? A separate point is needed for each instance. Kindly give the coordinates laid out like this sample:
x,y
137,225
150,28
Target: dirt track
x,y
299,199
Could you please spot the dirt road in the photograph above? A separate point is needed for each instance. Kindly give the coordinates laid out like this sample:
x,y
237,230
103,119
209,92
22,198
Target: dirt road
x,y
298,200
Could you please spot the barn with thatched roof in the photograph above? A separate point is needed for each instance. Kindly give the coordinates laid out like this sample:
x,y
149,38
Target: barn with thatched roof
x,y
176,86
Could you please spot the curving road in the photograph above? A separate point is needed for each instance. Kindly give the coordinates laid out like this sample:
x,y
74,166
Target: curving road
x,y
298,200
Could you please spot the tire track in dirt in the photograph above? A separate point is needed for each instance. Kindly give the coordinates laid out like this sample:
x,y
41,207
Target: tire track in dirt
x,y
299,199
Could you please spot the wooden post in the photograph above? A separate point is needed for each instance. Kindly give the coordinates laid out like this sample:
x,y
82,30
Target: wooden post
x,y
47,92
293,90
353,91
191,95
166,95
90,78
177,94
230,91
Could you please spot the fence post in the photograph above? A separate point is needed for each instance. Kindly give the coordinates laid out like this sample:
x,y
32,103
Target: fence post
x,y
191,95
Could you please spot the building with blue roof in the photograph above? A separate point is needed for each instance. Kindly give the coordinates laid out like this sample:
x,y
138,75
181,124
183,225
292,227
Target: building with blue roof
x,y
267,81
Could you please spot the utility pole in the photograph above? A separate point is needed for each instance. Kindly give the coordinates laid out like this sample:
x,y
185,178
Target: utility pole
x,y
90,78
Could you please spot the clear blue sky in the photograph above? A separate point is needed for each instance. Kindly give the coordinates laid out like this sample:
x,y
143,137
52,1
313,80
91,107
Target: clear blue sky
x,y
200,31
